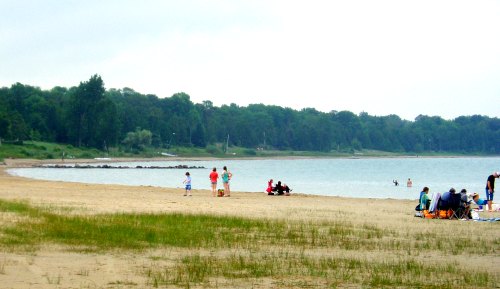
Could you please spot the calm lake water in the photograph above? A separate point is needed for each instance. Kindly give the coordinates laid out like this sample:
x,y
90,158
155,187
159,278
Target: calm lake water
x,y
364,178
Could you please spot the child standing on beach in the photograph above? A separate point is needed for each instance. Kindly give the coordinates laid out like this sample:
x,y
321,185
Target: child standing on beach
x,y
187,181
226,176
213,181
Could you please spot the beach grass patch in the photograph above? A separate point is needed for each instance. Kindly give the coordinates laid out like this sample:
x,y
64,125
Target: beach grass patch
x,y
325,271
16,207
238,250
143,231
134,231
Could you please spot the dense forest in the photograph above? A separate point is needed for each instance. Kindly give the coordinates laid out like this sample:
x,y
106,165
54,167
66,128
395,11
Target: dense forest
x,y
91,116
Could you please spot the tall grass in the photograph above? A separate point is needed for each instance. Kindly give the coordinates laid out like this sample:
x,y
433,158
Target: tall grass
x,y
242,250
143,231
316,271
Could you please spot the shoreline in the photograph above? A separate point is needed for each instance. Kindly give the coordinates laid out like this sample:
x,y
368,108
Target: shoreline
x,y
29,163
382,220
23,162
68,193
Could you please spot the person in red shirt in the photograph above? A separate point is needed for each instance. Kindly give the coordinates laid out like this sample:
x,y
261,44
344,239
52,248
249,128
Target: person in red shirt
x,y
269,189
213,180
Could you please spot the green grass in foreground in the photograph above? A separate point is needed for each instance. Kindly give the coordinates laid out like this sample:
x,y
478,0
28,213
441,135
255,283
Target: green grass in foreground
x,y
294,268
238,249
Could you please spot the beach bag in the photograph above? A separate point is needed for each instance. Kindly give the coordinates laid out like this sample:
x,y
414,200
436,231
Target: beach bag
x,y
474,215
220,193
428,215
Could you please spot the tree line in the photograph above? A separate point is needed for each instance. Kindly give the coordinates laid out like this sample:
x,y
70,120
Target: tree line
x,y
91,116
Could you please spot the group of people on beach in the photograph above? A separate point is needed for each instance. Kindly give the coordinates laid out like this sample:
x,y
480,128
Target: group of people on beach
x,y
226,177
279,189
461,200
213,177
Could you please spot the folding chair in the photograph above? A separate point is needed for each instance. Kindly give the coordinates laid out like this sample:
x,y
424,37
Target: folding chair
x,y
457,207
432,208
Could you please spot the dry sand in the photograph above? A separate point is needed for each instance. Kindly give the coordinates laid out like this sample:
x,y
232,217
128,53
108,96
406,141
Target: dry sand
x,y
55,267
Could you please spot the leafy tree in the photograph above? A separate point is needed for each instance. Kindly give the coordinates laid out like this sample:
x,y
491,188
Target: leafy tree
x,y
4,126
89,115
18,128
106,129
83,113
139,139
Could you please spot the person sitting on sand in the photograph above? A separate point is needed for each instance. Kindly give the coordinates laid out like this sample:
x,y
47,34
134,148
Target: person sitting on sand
x,y
269,189
425,201
282,189
480,202
278,188
465,203
444,201
287,189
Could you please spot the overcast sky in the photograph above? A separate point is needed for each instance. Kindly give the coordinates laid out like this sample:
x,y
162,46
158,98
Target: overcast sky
x,y
381,57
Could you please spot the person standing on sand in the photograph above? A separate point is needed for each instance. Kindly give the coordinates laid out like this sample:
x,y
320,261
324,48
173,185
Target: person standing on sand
x,y
213,180
490,189
187,181
226,176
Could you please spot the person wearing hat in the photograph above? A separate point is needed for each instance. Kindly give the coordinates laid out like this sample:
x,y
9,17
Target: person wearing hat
x,y
490,189
478,201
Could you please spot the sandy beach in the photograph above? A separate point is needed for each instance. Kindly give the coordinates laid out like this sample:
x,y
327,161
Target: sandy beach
x,y
54,266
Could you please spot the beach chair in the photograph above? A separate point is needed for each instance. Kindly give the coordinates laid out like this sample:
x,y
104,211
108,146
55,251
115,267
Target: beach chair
x,y
432,211
443,206
434,202
457,207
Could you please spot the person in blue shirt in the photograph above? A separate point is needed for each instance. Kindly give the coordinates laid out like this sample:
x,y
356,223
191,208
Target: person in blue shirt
x,y
424,199
226,177
445,200
480,202
424,190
